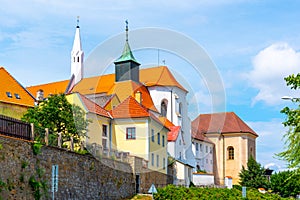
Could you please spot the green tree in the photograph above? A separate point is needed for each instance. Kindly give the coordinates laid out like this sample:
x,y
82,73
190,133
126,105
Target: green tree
x,y
254,175
286,183
59,116
291,154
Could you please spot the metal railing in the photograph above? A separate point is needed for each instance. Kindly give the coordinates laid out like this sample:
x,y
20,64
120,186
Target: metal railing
x,y
15,128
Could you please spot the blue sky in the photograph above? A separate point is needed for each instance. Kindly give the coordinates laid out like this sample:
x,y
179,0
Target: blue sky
x,y
253,45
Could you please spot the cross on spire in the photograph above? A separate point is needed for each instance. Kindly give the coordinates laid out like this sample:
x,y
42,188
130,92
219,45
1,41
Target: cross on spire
x,y
77,22
126,30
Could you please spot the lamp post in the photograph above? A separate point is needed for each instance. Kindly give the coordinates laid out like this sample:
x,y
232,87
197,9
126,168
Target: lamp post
x,y
290,98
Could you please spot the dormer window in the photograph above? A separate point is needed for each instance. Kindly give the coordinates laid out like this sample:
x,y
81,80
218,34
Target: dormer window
x,y
8,94
17,96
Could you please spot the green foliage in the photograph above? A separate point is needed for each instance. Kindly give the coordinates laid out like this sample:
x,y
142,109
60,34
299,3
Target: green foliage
x,y
2,185
24,164
253,176
286,183
193,193
35,185
36,147
1,147
59,116
291,154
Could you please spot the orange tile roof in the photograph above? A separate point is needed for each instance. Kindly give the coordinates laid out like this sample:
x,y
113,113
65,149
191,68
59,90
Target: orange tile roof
x,y
49,88
125,88
159,76
93,107
129,108
227,122
19,95
166,122
95,85
155,76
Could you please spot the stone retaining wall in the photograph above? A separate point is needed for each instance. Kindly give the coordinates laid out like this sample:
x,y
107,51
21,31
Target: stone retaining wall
x,y
23,174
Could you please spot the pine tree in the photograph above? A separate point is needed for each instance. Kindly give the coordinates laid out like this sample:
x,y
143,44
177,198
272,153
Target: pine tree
x,y
254,175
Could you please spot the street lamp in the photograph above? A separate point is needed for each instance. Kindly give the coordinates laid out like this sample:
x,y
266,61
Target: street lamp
x,y
290,98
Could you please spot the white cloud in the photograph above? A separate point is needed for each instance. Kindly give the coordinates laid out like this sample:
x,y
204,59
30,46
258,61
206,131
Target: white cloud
x,y
270,66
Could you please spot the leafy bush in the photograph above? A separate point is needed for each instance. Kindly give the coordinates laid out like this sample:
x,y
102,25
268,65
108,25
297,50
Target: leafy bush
x,y
286,183
193,193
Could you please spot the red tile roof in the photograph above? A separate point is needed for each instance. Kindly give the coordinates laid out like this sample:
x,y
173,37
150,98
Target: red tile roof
x,y
93,107
173,133
11,91
130,108
227,122
174,130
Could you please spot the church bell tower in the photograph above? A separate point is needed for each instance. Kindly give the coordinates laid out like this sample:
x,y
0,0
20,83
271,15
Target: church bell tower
x,y
126,66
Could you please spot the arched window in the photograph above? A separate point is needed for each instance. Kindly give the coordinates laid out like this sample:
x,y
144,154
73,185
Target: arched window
x,y
163,108
230,153
78,59
180,108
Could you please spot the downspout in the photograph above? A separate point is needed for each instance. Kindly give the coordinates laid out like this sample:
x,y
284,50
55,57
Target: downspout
x,y
172,105
110,131
110,134
224,155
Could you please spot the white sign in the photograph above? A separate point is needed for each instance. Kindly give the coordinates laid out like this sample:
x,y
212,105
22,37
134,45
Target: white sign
x,y
54,178
152,189
244,192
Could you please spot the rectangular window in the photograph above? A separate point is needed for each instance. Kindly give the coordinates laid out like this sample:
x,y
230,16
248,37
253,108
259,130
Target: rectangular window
x,y
197,146
157,160
206,149
158,138
163,140
130,133
164,163
152,135
201,147
104,130
104,143
152,159
104,136
210,150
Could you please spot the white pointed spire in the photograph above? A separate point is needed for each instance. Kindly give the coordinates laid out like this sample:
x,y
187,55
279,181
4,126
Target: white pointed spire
x,y
77,56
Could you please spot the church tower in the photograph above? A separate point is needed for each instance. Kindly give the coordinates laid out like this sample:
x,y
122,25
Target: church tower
x,y
77,56
126,67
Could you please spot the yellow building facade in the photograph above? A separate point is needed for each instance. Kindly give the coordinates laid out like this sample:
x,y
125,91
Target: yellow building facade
x,y
141,134
98,130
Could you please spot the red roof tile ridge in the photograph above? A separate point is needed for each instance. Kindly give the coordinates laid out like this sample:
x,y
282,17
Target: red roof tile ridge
x,y
104,112
127,101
